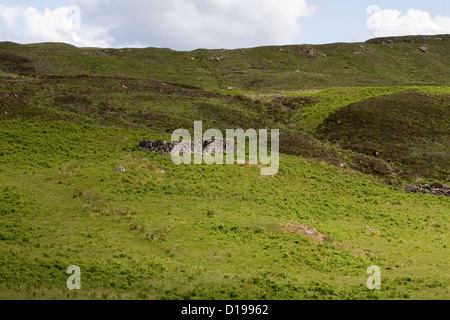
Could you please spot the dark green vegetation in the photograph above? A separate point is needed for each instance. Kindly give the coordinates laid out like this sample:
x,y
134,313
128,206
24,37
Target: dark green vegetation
x,y
409,128
69,116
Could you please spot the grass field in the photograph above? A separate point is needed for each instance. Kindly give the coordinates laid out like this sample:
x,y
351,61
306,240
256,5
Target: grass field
x,y
69,116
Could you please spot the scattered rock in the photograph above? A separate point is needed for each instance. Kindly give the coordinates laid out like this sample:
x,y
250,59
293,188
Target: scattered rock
x,y
214,58
370,230
120,169
98,53
296,227
365,48
423,49
306,51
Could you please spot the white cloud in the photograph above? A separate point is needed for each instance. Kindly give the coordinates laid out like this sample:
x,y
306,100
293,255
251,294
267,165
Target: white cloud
x,y
28,25
177,24
190,24
389,22
9,15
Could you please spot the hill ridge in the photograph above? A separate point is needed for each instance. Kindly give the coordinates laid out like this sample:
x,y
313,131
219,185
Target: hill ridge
x,y
259,69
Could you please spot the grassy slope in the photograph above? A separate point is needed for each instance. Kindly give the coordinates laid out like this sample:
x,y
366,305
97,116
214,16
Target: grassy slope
x,y
259,69
408,128
201,232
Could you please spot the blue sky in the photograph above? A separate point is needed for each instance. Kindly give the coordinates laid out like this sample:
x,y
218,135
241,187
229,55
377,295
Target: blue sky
x,y
191,24
348,18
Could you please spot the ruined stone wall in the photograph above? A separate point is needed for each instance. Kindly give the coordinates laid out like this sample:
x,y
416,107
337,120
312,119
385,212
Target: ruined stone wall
x,y
207,146
158,146
433,188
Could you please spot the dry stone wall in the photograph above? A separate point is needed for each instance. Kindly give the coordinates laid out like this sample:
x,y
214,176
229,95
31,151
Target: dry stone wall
x,y
433,188
207,146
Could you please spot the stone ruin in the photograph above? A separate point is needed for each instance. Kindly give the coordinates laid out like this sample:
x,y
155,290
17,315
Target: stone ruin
x,y
432,188
206,146
157,146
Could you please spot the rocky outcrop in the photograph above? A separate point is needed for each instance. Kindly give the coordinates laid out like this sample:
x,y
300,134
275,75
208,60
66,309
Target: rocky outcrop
x,y
432,188
305,51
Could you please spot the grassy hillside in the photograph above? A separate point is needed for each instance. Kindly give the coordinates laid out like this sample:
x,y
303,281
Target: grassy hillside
x,y
262,69
69,116
409,128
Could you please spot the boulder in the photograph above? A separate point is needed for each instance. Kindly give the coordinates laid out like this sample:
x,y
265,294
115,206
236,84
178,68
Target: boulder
x,y
120,169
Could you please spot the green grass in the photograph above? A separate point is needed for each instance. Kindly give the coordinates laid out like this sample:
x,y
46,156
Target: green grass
x,y
68,118
145,234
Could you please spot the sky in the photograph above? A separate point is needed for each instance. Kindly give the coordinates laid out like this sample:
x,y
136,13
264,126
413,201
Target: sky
x,y
215,24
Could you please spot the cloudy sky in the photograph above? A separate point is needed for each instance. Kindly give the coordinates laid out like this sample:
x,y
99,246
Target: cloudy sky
x,y
192,24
